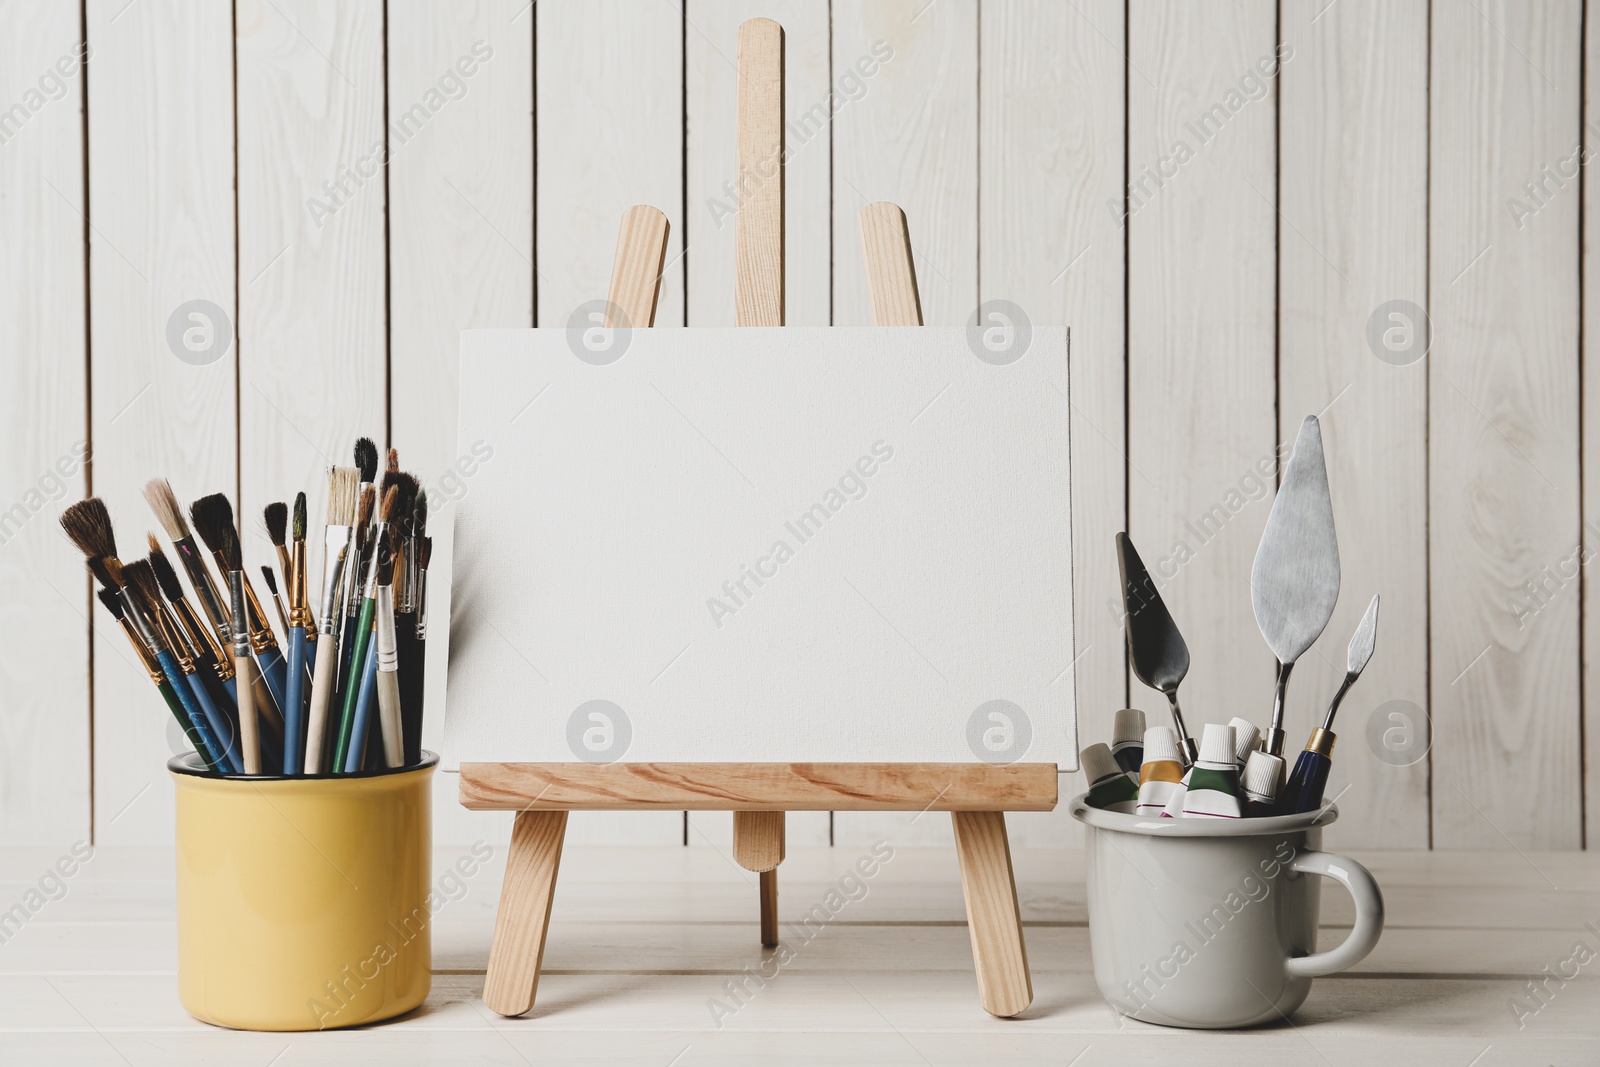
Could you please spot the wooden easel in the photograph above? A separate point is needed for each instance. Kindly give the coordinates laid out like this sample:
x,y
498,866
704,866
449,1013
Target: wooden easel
x,y
976,794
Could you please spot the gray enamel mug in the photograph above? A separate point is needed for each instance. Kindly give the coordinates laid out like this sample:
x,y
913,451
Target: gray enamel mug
x,y
1212,923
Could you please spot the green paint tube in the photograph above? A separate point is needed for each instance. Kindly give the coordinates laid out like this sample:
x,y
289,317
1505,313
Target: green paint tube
x,y
1213,791
1109,786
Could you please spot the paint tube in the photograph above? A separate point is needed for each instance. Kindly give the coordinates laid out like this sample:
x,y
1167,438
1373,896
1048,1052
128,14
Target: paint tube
x,y
1127,740
1110,787
1261,777
1213,791
1161,774
1174,808
1246,739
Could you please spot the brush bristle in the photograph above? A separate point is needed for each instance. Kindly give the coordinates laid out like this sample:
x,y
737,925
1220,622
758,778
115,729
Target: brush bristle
x,y
385,562
419,514
276,516
424,551
101,572
298,526
272,580
141,579
113,603
367,458
228,545
164,502
112,567
166,577
391,503
369,500
212,515
406,484
342,483
88,523
393,461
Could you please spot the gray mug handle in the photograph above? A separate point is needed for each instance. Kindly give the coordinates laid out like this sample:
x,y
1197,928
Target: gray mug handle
x,y
1363,936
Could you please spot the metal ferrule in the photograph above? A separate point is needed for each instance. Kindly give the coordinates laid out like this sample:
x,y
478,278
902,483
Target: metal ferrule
x,y
408,591
388,660
175,642
337,547
422,605
1321,742
400,579
147,633
241,616
299,607
204,588
146,657
202,639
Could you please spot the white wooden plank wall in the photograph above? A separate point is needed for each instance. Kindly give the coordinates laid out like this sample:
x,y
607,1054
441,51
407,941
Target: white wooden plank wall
x,y
1334,158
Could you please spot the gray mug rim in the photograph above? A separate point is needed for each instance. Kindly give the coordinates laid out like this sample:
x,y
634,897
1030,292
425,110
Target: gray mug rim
x,y
1159,827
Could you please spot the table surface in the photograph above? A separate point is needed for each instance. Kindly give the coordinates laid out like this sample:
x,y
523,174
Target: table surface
x,y
643,941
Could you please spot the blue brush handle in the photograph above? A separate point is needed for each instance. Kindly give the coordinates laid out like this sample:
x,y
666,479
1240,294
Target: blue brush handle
x,y
197,719
220,729
294,708
274,673
232,686
1306,784
365,699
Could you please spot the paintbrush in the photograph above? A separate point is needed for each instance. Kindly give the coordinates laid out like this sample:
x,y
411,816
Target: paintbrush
x,y
424,557
147,659
200,638
378,681
294,708
276,518
336,549
88,525
409,647
213,521
140,583
249,723
363,631
277,601
164,502
361,545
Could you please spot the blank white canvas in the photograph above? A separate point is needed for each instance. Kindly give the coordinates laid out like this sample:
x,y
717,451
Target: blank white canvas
x,y
795,544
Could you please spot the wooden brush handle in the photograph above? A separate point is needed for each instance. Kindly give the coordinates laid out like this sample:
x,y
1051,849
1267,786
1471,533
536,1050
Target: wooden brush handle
x,y
321,694
249,736
394,749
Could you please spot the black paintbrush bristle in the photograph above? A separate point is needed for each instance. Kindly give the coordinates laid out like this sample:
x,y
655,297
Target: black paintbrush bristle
x,y
419,514
113,603
406,499
298,530
276,516
424,551
385,562
140,579
211,516
88,523
166,577
228,545
272,581
102,572
367,459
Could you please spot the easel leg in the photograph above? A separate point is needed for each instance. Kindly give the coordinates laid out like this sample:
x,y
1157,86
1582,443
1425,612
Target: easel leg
x,y
519,928
1005,987
758,845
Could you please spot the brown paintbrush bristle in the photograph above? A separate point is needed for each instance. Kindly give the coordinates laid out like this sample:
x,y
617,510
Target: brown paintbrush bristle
x,y
424,551
88,523
141,581
385,561
391,503
394,461
276,516
369,500
406,500
342,484
164,502
166,577
212,515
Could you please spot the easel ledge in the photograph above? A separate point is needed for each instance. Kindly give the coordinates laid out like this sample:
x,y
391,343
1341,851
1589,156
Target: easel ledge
x,y
758,787
977,795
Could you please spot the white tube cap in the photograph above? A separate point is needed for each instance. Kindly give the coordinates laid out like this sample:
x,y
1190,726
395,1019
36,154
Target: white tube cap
x,y
1129,726
1160,743
1216,744
1098,763
1262,774
1245,736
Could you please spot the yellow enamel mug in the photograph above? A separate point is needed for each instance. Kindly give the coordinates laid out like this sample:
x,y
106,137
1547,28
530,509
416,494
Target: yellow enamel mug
x,y
303,902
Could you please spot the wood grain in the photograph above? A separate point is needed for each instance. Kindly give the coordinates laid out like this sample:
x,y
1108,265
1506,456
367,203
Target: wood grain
x,y
759,224
635,291
313,365
890,270
1201,378
523,919
1051,125
1590,447
460,257
758,840
908,134
1354,98
758,786
44,438
161,197
1503,427
1005,987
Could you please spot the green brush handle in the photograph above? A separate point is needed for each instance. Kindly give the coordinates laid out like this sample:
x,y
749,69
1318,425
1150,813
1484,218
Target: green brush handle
x,y
176,707
358,657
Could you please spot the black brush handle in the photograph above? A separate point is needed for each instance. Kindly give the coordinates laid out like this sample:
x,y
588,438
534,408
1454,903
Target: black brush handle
x,y
409,652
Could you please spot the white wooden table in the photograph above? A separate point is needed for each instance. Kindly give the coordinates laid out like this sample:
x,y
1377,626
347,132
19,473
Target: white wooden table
x,y
644,941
